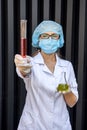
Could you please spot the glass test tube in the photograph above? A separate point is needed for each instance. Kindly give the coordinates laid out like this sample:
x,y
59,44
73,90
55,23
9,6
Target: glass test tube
x,y
23,37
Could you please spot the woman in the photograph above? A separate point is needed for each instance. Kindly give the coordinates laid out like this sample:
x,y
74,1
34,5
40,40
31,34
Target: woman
x,y
45,107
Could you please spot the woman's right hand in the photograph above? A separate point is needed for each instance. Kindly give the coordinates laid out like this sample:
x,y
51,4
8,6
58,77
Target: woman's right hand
x,y
23,64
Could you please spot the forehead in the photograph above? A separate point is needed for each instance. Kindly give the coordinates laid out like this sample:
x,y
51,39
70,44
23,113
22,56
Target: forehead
x,y
49,33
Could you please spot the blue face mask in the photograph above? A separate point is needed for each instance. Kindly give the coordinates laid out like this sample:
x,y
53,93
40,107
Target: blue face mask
x,y
49,46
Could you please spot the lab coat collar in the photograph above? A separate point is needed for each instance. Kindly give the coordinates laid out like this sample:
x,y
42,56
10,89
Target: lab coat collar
x,y
60,62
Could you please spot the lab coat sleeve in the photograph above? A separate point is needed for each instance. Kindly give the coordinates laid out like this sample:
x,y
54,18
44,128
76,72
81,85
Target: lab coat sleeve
x,y
72,81
26,79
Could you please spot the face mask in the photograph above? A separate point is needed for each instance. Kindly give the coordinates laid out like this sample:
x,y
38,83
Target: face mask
x,y
49,46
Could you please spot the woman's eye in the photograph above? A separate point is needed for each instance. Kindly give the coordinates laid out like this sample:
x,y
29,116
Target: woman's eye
x,y
44,36
55,36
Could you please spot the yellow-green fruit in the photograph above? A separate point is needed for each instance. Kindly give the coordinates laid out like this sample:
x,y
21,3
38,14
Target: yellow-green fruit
x,y
63,87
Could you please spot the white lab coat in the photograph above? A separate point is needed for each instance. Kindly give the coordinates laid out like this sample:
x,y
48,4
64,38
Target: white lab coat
x,y
45,108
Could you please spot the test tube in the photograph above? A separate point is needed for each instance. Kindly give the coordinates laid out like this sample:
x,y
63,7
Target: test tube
x,y
23,37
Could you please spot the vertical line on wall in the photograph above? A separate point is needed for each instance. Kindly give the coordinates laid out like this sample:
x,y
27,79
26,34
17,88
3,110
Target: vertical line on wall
x,y
0,68
10,65
79,109
58,11
46,10
69,29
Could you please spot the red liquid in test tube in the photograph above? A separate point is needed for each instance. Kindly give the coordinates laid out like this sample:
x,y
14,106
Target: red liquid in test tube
x,y
23,39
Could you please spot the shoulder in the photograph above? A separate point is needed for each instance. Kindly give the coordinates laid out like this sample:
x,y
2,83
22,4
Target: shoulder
x,y
63,62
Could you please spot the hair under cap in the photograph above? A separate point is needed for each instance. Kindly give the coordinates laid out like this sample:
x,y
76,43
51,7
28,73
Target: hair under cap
x,y
47,26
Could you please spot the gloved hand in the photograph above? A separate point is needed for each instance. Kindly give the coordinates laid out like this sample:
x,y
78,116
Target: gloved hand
x,y
23,64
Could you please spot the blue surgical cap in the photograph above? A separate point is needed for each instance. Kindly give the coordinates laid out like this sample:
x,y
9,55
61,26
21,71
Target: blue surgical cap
x,y
47,26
